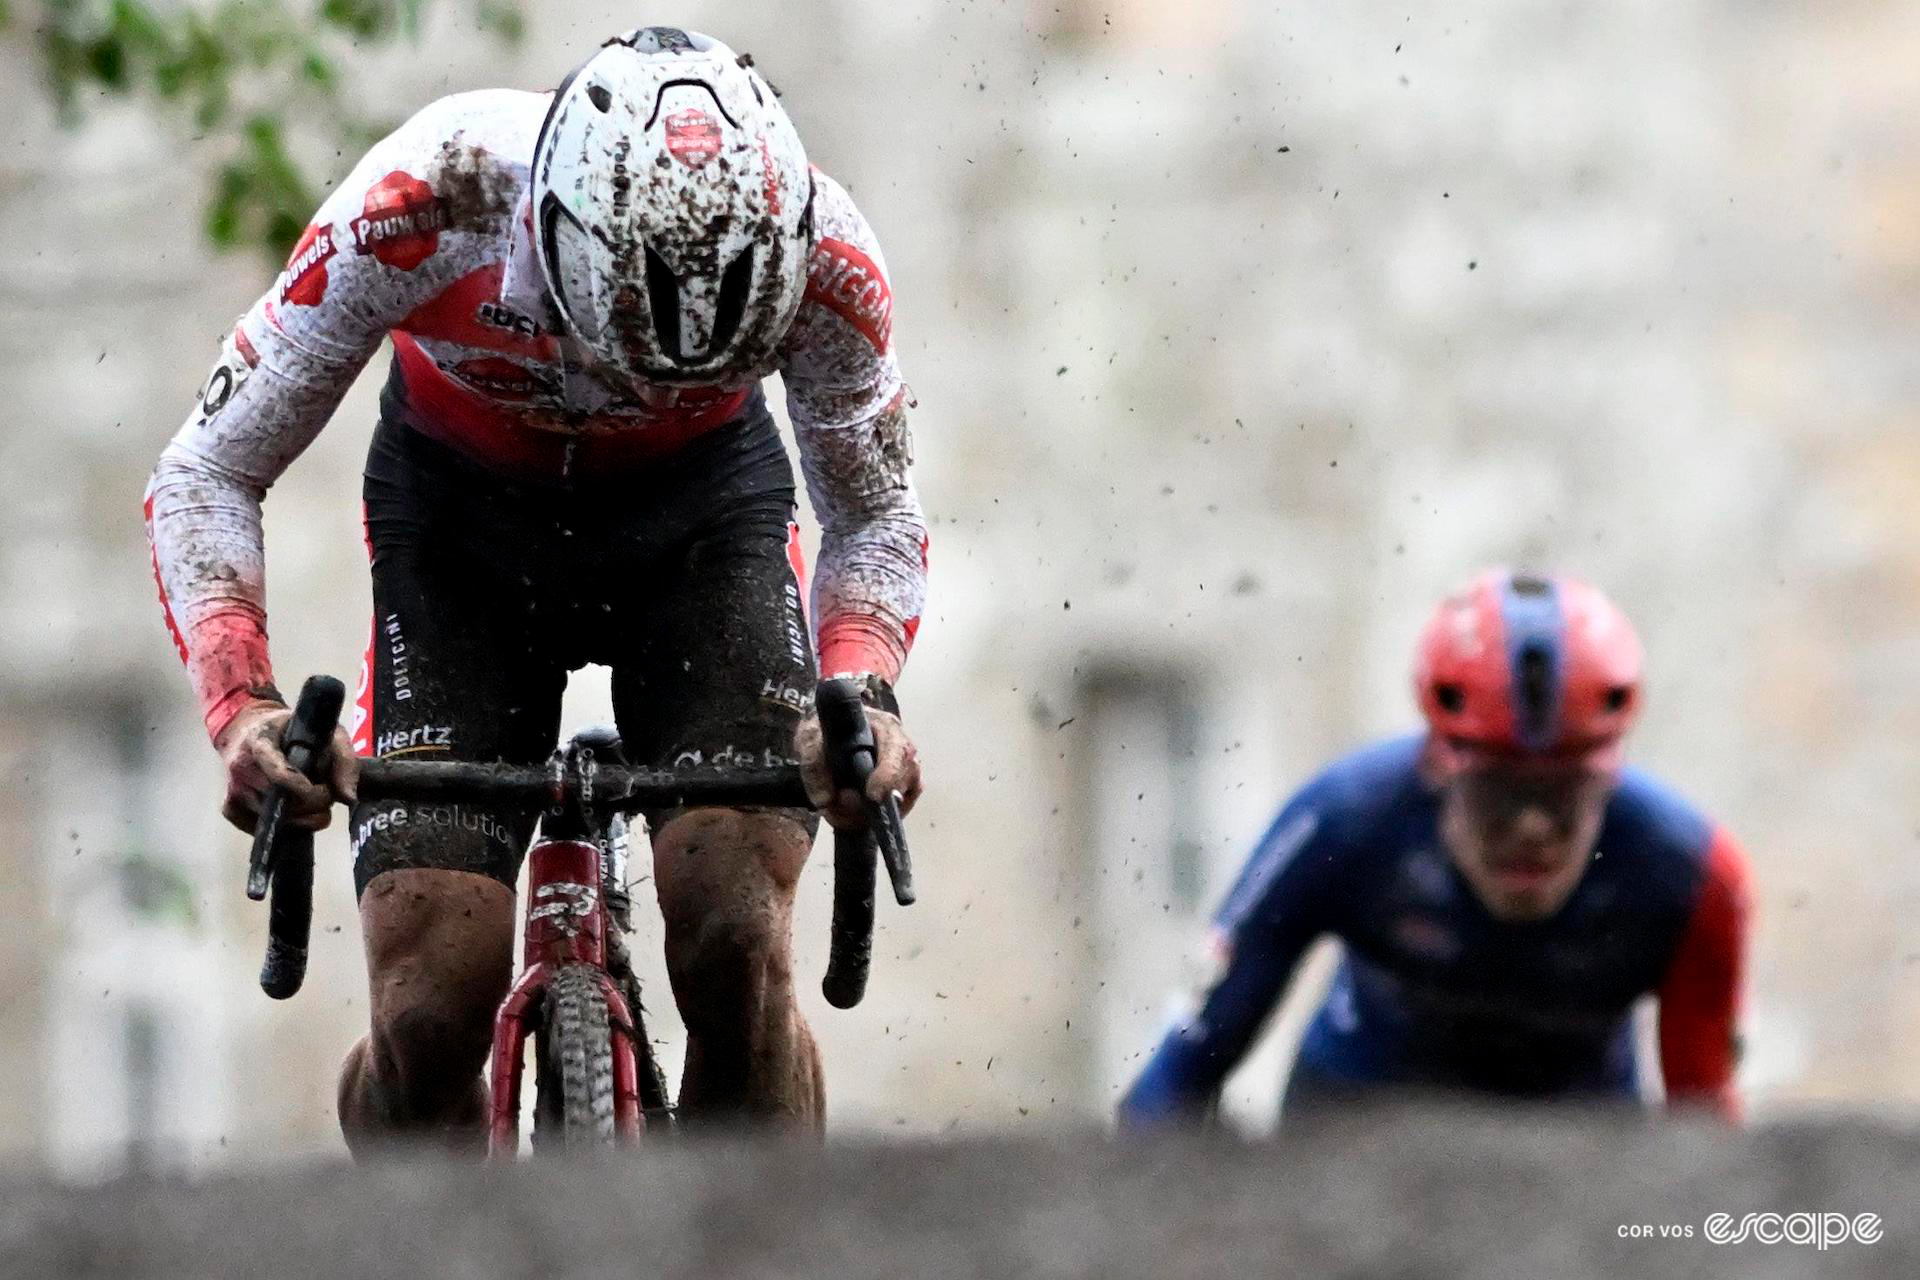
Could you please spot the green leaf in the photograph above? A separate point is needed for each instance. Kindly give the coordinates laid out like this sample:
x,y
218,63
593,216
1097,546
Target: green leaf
x,y
368,19
503,19
223,209
238,72
260,198
106,59
319,72
213,107
138,26
158,891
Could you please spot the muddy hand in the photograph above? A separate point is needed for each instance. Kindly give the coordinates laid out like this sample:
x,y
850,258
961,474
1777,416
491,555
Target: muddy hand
x,y
249,747
896,769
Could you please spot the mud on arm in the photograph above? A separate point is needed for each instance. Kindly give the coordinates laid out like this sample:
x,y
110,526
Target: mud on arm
x,y
870,583
263,403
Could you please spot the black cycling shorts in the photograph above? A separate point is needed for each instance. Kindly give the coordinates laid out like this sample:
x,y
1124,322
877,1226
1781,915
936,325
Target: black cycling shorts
x,y
487,590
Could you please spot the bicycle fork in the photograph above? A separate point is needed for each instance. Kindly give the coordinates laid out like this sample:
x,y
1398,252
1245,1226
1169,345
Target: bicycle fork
x,y
566,925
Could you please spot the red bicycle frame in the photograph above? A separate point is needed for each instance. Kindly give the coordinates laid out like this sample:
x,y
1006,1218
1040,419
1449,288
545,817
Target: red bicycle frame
x,y
568,912
566,924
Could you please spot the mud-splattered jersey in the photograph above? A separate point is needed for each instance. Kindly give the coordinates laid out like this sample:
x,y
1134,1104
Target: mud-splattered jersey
x,y
1432,990
428,241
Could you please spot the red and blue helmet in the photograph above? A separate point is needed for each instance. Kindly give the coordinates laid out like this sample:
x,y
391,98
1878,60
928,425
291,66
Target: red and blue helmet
x,y
1532,665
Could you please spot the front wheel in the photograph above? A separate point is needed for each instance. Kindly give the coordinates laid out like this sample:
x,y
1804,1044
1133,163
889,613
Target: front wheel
x,y
573,1071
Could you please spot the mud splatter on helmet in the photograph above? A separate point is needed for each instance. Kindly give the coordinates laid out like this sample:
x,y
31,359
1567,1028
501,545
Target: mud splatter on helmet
x,y
671,201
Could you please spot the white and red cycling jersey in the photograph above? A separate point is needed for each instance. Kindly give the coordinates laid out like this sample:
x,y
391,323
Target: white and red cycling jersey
x,y
428,241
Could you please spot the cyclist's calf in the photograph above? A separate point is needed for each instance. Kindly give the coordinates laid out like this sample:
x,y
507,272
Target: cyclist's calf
x,y
439,958
726,880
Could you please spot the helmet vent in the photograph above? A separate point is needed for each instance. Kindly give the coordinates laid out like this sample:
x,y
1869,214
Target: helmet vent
x,y
1527,584
551,211
732,303
1451,697
745,60
657,40
1618,697
1536,688
663,300
602,100
660,97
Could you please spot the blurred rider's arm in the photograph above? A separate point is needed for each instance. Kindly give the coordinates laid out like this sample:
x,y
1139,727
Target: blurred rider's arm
x,y
280,375
1701,994
1283,900
849,411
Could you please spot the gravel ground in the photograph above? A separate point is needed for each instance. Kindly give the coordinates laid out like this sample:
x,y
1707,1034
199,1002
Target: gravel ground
x,y
1390,1195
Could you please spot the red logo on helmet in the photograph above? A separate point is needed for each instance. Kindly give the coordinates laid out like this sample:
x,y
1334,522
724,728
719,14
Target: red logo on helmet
x,y
848,283
401,222
770,178
304,282
693,137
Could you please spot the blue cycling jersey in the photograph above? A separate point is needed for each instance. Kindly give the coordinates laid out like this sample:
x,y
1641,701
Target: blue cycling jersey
x,y
1433,991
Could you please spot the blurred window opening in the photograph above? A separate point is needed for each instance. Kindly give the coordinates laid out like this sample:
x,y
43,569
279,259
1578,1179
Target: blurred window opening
x,y
1180,770
135,1039
1145,878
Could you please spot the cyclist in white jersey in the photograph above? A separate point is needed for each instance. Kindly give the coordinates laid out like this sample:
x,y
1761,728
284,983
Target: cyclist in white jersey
x,y
574,463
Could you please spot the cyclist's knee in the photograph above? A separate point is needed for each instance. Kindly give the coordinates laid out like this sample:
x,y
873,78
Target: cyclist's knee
x,y
704,853
726,880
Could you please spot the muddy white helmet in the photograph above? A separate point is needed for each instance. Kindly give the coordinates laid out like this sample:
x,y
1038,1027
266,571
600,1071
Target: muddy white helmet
x,y
671,209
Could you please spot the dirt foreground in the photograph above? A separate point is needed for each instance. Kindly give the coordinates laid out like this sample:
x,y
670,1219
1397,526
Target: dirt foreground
x,y
1391,1195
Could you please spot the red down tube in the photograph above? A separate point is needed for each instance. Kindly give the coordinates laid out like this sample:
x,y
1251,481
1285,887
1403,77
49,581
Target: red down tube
x,y
566,924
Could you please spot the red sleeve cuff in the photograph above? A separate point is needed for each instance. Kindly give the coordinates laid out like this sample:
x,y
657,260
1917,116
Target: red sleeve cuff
x,y
855,643
227,663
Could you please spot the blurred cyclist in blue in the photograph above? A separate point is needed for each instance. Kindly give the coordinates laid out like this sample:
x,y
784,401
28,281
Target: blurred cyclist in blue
x,y
1505,890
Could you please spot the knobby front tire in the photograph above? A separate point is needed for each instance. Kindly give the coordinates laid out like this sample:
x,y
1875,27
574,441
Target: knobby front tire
x,y
573,1072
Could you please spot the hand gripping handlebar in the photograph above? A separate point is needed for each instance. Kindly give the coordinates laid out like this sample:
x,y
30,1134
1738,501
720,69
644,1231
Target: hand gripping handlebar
x,y
282,858
851,755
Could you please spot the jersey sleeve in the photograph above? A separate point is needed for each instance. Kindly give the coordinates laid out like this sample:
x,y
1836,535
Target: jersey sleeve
x,y
368,258
1281,902
848,406
1700,996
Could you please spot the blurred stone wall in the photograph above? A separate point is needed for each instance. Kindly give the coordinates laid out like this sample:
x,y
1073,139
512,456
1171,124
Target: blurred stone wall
x,y
1238,332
